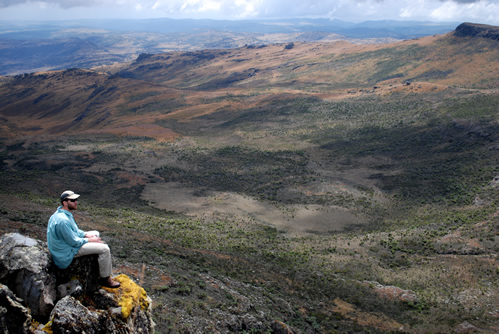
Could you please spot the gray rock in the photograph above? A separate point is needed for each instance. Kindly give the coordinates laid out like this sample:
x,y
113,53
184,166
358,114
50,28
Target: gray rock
x,y
76,306
14,317
72,288
26,268
85,269
70,316
104,315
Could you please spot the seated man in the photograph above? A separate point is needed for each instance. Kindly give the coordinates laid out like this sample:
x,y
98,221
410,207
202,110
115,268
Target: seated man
x,y
66,241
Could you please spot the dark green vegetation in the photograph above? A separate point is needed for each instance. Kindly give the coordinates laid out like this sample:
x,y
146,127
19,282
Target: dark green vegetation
x,y
247,171
235,224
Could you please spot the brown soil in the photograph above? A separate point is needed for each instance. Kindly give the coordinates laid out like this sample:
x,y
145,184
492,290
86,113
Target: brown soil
x,y
294,219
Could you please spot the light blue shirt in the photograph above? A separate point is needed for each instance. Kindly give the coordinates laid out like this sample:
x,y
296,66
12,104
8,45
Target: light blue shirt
x,y
64,238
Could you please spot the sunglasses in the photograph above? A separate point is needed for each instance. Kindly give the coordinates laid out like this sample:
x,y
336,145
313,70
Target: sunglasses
x,y
72,200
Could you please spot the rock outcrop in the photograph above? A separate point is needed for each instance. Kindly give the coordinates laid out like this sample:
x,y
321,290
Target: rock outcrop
x,y
26,268
393,292
477,30
68,301
495,182
85,268
14,317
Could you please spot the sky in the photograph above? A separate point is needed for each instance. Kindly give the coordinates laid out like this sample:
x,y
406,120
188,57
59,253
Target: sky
x,y
475,11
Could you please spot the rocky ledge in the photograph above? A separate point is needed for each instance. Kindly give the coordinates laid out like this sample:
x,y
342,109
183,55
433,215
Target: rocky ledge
x,y
477,30
36,297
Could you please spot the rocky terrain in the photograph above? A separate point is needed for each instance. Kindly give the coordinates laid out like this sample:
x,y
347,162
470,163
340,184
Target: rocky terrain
x,y
33,291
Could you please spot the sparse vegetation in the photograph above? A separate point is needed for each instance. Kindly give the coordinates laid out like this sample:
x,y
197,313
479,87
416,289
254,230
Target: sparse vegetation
x,y
266,179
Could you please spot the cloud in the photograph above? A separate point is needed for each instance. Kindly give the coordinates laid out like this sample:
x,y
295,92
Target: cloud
x,y
480,11
66,4
476,11
461,1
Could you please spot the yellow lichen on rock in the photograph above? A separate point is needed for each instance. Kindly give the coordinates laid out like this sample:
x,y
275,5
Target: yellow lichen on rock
x,y
129,295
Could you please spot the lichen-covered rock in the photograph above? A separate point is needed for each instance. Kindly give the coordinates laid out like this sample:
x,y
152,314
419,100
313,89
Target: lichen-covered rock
x,y
70,316
135,306
127,308
14,317
80,305
26,268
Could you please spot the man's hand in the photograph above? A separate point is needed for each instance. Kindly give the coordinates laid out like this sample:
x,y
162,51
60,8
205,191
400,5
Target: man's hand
x,y
94,238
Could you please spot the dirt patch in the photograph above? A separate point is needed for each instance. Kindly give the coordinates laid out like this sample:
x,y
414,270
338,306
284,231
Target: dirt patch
x,y
379,321
143,130
292,218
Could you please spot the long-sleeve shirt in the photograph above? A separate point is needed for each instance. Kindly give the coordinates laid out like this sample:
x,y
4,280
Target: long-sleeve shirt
x,y
64,238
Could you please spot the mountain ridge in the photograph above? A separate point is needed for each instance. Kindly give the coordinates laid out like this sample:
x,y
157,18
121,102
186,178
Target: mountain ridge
x,y
97,97
36,46
477,30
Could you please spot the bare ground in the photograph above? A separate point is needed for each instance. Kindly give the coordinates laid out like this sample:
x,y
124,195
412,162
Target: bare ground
x,y
292,219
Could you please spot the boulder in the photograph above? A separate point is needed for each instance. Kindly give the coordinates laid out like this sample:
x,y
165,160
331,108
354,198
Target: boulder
x,y
78,305
127,308
133,311
393,292
85,269
70,316
14,317
26,268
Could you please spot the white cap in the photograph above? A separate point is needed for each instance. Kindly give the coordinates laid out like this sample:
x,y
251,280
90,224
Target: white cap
x,y
68,194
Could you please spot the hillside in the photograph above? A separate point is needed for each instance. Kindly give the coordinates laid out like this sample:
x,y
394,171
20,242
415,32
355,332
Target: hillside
x,y
328,187
148,90
477,30
29,47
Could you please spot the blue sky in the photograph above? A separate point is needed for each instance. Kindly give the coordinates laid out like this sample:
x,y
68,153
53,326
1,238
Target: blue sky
x,y
476,11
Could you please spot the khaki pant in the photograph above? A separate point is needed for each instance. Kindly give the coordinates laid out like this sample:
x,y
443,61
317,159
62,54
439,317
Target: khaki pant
x,y
105,263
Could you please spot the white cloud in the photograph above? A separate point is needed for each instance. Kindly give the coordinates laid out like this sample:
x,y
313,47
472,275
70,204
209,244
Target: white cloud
x,y
209,6
479,11
472,11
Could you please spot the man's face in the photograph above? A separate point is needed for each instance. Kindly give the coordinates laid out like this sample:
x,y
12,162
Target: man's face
x,y
72,204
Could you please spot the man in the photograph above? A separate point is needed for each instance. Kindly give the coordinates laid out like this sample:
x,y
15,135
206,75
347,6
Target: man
x,y
66,240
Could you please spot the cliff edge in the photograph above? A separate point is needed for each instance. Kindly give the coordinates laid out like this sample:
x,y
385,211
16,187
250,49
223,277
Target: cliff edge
x,y
477,30
37,298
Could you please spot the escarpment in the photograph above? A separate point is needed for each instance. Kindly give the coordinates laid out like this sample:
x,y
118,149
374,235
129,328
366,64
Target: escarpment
x,y
477,30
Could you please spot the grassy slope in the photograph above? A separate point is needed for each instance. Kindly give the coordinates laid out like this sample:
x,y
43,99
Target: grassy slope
x,y
413,164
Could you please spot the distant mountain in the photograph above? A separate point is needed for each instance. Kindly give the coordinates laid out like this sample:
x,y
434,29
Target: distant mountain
x,y
89,98
36,46
477,30
367,29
